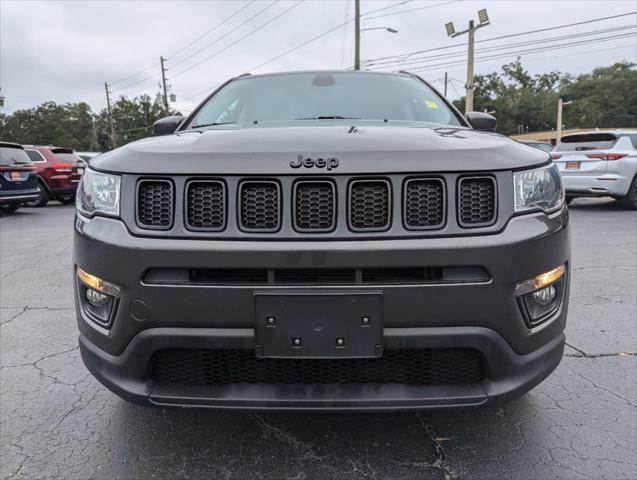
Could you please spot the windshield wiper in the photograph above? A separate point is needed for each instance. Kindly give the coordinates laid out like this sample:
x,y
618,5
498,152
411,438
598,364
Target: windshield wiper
x,y
328,117
213,124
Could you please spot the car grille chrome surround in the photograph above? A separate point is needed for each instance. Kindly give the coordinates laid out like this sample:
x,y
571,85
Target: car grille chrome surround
x,y
206,205
155,204
314,206
424,367
477,201
295,206
260,206
369,205
424,203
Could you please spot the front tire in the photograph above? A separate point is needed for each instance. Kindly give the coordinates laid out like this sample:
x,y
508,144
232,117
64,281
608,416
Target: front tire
x,y
67,200
42,200
629,201
9,209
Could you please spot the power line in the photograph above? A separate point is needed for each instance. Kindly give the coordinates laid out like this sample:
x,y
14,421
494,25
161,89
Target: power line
x,y
412,61
240,39
178,51
212,29
311,40
533,50
225,34
410,10
529,32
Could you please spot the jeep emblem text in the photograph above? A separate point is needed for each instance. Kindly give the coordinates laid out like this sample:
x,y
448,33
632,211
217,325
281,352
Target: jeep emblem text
x,y
308,162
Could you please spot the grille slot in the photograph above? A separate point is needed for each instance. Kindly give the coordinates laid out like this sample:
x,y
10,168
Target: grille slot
x,y
205,205
155,204
477,202
436,366
424,203
260,206
369,205
314,206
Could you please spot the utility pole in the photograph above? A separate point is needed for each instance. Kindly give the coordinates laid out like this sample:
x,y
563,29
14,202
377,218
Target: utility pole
x,y
472,38
357,35
446,80
110,116
163,81
565,100
484,21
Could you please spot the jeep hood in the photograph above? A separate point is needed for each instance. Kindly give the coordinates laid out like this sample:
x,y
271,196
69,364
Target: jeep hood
x,y
359,149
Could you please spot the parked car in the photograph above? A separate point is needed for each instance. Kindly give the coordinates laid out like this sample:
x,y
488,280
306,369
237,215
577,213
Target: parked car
x,y
599,164
322,241
87,156
544,146
18,178
59,170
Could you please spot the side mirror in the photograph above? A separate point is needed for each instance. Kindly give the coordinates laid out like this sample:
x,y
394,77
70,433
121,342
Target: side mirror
x,y
482,121
167,125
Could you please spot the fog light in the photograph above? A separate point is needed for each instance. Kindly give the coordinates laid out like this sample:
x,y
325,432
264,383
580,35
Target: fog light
x,y
96,298
545,296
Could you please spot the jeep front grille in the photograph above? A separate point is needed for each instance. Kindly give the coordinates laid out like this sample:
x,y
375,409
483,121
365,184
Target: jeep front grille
x,y
314,206
205,205
260,209
477,201
424,203
293,206
155,204
426,366
369,205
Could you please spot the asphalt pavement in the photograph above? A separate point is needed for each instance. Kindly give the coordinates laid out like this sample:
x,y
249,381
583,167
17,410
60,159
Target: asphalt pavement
x,y
56,421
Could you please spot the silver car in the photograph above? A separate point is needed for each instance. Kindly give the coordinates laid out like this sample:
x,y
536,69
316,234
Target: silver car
x,y
599,164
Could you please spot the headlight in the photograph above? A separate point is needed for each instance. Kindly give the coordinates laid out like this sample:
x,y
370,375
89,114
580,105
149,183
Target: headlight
x,y
540,188
98,193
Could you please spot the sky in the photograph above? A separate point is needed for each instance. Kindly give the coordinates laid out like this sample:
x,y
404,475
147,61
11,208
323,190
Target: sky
x,y
64,51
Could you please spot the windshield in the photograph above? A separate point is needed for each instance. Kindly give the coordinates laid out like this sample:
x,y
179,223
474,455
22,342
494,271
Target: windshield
x,y
11,156
325,96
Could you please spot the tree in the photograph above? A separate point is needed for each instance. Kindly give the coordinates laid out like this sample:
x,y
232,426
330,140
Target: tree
x,y
133,119
607,97
68,125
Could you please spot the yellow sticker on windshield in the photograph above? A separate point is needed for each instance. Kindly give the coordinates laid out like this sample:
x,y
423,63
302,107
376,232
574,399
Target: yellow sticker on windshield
x,y
431,104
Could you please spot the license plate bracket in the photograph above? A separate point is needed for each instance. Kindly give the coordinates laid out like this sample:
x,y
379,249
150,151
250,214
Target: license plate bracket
x,y
318,325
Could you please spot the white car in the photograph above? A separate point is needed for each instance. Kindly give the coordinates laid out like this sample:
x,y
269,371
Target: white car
x,y
599,164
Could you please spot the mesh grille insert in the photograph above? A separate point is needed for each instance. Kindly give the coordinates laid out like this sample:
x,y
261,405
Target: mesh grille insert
x,y
436,366
424,203
369,205
260,206
314,209
477,201
205,205
155,204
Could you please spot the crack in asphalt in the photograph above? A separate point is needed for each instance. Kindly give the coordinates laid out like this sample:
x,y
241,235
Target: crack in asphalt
x,y
26,308
583,354
441,462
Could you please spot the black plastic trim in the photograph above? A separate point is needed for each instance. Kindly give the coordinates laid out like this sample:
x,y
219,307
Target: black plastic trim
x,y
225,204
172,203
459,201
445,202
335,206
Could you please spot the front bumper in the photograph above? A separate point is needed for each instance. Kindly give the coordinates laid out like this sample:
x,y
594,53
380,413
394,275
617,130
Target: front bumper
x,y
483,316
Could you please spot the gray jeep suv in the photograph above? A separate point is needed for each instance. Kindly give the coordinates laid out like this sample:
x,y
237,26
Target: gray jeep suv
x,y
322,240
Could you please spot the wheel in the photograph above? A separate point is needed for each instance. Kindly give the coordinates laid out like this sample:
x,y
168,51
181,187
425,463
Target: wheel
x,y
10,208
67,200
629,200
42,200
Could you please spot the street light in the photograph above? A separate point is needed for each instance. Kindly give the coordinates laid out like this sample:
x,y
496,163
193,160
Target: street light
x,y
389,29
357,42
451,31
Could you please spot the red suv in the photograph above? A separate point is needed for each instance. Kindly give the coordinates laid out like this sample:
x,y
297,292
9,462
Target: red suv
x,y
60,171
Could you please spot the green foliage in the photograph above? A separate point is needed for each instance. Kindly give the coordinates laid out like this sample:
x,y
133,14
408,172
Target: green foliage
x,y
74,125
605,98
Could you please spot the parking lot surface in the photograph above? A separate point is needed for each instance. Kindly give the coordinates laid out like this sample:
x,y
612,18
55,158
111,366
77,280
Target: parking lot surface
x,y
58,422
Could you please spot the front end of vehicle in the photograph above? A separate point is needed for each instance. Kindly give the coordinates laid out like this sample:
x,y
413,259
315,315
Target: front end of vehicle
x,y
378,289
